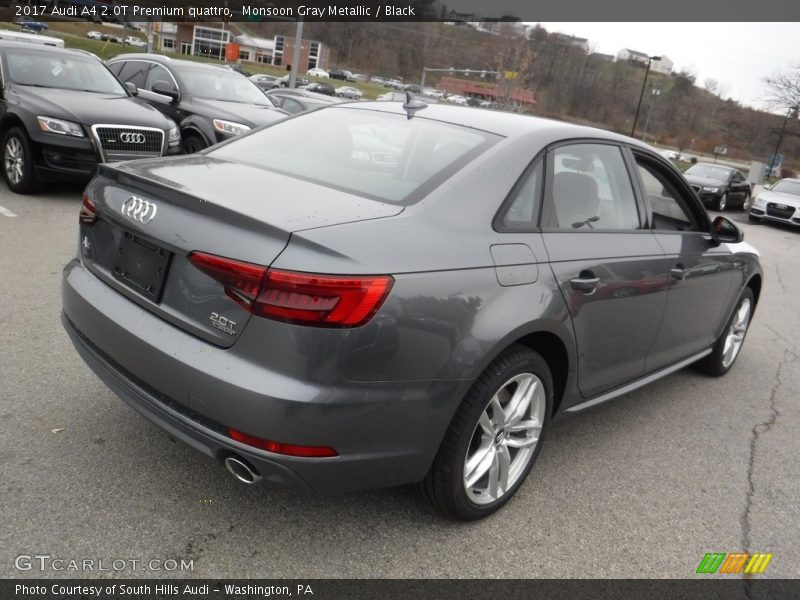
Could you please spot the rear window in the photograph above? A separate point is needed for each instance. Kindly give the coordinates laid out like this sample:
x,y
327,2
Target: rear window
x,y
373,154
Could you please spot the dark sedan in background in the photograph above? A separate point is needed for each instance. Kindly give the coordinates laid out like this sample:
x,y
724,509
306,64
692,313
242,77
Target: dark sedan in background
x,y
409,298
299,100
718,186
62,112
209,104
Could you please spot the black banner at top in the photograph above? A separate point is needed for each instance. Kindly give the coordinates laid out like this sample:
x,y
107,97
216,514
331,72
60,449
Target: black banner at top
x,y
453,11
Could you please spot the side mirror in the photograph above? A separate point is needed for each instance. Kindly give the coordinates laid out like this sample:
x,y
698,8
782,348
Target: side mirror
x,y
723,231
131,87
166,89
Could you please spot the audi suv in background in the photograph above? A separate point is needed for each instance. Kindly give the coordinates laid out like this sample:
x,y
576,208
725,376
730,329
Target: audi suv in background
x,y
718,186
779,202
286,326
62,112
209,104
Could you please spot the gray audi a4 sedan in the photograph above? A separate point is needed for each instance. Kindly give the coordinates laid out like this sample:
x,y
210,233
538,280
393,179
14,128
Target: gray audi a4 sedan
x,y
378,294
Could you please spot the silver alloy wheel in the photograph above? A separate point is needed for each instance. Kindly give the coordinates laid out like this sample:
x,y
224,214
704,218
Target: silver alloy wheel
x,y
503,442
14,159
735,337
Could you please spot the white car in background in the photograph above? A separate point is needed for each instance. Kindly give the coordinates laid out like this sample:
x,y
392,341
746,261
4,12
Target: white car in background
x,y
135,42
432,93
779,202
456,99
317,72
94,35
347,91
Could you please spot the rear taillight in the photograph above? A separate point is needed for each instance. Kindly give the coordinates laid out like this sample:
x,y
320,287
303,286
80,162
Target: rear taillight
x,y
281,448
88,212
294,297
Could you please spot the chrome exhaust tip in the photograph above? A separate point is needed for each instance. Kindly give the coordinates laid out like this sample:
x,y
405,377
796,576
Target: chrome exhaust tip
x,y
241,470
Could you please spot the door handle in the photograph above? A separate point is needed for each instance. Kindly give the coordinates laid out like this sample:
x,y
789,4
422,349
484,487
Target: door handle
x,y
585,284
679,272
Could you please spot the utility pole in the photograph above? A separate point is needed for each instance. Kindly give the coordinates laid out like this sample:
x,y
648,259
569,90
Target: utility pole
x,y
650,59
655,93
793,113
298,40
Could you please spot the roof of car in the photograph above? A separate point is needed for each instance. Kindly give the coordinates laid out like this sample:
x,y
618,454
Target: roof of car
x,y
502,123
40,47
164,60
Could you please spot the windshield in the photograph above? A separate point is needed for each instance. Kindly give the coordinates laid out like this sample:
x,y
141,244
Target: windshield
x,y
787,186
222,84
710,171
61,71
382,156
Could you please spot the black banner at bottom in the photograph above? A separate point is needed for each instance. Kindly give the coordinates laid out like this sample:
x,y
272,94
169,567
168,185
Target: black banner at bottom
x,y
395,589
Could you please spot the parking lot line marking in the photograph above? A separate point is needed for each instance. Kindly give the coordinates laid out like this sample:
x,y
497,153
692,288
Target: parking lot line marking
x,y
5,212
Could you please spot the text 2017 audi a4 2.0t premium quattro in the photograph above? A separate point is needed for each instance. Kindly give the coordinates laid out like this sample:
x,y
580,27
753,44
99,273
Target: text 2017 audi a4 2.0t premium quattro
x,y
62,112
377,294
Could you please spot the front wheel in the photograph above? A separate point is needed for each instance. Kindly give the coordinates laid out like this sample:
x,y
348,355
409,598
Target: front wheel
x,y
18,169
193,143
494,437
722,203
729,344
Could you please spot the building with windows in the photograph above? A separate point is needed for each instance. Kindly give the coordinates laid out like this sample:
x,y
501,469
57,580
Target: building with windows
x,y
210,40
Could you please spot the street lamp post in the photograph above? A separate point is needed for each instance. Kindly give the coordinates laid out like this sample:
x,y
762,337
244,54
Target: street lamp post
x,y
650,59
793,113
655,93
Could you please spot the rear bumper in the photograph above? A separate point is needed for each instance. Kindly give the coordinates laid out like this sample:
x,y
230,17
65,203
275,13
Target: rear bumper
x,y
386,433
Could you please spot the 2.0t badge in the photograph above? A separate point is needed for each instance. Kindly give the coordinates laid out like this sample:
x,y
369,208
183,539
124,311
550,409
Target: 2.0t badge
x,y
223,324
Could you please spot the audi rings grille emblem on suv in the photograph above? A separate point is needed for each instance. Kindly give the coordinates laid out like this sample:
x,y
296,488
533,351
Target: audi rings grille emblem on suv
x,y
139,210
132,138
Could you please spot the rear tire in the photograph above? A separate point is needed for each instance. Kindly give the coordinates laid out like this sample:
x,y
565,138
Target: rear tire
x,y
729,344
494,437
18,167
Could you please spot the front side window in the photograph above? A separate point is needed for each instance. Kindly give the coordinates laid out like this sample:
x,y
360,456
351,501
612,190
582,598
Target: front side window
x,y
670,212
590,189
377,155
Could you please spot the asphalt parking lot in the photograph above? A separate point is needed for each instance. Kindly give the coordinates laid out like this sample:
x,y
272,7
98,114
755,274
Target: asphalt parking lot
x,y
640,487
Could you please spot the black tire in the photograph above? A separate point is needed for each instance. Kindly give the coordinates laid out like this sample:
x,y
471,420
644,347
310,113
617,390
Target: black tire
x,y
193,143
754,218
722,203
714,364
18,167
445,486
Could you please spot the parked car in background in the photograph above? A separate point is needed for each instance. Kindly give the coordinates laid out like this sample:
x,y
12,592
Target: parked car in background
x,y
395,84
134,41
237,68
321,88
317,72
30,24
414,88
456,99
342,74
360,77
718,186
778,202
295,101
432,93
114,39
349,92
208,103
378,80
265,82
324,324
62,112
94,35
298,81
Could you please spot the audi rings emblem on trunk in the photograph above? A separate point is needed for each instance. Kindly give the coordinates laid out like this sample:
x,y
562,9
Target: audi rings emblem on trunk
x,y
131,138
139,210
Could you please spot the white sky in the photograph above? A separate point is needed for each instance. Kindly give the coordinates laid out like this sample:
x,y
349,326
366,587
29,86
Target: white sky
x,y
738,55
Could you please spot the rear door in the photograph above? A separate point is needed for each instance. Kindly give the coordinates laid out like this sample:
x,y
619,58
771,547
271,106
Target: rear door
x,y
700,272
608,265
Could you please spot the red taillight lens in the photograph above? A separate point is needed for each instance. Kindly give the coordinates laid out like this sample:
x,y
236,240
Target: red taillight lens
x,y
88,212
328,300
303,298
279,448
242,280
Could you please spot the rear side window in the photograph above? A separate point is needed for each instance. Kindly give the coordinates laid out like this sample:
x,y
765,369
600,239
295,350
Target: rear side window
x,y
590,189
377,155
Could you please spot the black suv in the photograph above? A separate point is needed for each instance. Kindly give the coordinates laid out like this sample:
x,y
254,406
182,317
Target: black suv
x,y
62,112
320,87
208,103
341,74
